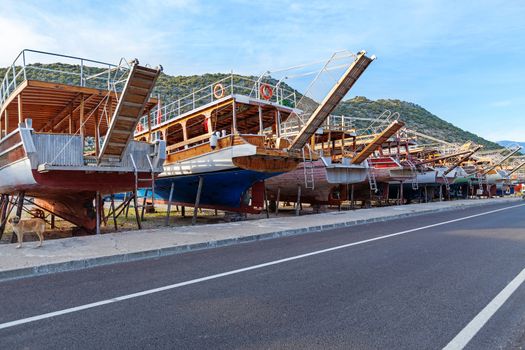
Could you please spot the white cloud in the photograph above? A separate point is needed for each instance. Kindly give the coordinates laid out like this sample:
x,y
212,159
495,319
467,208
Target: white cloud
x,y
101,34
17,35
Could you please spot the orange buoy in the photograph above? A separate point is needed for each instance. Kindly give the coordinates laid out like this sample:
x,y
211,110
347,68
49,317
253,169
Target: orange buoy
x,y
218,91
266,91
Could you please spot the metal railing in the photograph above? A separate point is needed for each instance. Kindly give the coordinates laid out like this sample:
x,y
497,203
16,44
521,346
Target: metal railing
x,y
30,65
334,123
230,85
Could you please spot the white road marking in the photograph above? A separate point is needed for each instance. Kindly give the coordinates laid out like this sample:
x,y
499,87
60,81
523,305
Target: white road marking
x,y
233,272
471,329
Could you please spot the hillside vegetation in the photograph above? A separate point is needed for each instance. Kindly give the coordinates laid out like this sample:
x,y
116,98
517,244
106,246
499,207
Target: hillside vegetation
x,y
414,116
170,88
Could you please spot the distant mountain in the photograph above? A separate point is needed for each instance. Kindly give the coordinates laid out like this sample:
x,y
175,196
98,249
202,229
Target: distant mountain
x,y
170,88
506,143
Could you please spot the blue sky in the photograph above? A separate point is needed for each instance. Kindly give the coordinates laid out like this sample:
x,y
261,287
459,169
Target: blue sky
x,y
462,60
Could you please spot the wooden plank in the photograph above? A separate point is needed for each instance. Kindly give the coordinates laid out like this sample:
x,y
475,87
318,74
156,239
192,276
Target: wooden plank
x,y
141,83
133,104
116,144
135,98
146,72
125,118
123,132
129,111
138,91
66,88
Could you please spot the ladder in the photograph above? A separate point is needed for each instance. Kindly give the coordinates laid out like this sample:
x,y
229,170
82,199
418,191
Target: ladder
x,y
130,108
413,170
146,190
371,177
308,168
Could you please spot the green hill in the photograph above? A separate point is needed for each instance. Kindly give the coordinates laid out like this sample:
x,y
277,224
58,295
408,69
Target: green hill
x,y
170,88
414,116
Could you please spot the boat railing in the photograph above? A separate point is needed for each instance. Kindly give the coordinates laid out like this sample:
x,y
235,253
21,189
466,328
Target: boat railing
x,y
221,89
70,70
48,147
335,123
65,150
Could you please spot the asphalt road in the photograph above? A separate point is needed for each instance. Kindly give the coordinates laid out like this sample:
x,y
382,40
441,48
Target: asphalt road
x,y
416,290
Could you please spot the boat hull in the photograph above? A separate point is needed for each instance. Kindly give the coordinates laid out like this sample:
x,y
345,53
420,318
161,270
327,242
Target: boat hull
x,y
232,178
330,183
227,190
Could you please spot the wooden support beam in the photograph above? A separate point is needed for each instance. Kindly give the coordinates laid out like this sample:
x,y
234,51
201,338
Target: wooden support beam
x,y
110,110
82,99
6,122
261,126
20,110
170,198
19,209
97,131
352,201
197,201
62,114
277,200
136,207
149,125
298,203
278,123
234,115
113,211
70,119
266,201
4,203
97,209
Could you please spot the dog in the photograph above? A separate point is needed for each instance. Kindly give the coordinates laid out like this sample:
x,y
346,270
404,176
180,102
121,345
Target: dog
x,y
21,226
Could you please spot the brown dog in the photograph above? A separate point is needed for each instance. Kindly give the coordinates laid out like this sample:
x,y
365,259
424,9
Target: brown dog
x,y
21,226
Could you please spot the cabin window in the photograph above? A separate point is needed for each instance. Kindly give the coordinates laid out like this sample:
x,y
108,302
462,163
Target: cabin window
x,y
197,126
174,134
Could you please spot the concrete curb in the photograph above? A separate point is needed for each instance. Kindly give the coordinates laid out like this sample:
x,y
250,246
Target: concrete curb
x,y
156,253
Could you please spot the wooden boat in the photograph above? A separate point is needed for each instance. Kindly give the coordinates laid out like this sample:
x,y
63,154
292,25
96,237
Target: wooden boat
x,y
486,175
67,135
224,140
341,163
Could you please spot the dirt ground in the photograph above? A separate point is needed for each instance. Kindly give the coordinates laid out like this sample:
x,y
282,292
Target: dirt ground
x,y
156,219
